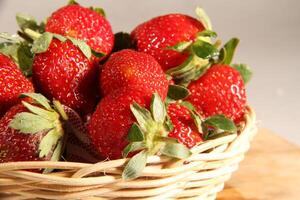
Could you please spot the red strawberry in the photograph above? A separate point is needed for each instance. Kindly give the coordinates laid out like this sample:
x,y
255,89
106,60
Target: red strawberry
x,y
12,84
110,123
31,132
83,24
220,90
154,36
128,68
185,129
64,73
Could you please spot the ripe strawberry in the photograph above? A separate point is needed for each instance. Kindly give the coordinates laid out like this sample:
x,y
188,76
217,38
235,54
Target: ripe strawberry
x,y
110,123
128,68
220,90
154,36
12,84
185,129
64,73
31,132
83,24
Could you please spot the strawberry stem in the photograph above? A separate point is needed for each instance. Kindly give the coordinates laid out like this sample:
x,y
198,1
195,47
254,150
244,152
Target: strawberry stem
x,y
32,34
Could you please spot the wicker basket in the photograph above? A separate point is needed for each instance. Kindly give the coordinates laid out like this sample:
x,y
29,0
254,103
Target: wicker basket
x,y
201,176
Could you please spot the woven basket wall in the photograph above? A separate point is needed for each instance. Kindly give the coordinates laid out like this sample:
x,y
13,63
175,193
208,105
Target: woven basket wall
x,y
201,176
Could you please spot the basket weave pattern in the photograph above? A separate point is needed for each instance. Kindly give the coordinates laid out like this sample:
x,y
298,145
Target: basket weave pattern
x,y
201,176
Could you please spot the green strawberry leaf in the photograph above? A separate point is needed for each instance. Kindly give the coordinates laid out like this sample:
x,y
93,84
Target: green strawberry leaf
x,y
175,150
158,108
227,52
25,59
84,48
245,72
186,66
59,37
59,108
135,134
48,142
41,112
207,33
180,47
215,135
100,11
98,54
188,105
29,123
204,49
142,115
203,18
177,92
56,155
73,2
197,120
26,21
220,122
38,98
133,146
10,50
42,44
197,73
168,124
135,166
10,38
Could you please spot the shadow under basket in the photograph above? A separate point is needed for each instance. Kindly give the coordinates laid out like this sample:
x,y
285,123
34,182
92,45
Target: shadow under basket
x,y
201,176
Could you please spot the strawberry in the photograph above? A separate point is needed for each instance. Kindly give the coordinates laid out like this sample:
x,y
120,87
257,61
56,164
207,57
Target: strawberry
x,y
83,24
78,147
128,68
32,132
110,123
121,119
12,84
159,33
220,90
63,72
184,128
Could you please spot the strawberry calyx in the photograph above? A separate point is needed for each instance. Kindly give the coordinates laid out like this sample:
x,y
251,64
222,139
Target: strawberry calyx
x,y
19,50
42,42
212,127
98,10
217,126
42,117
202,54
150,136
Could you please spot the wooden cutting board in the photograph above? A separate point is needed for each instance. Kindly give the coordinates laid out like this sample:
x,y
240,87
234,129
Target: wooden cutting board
x,y
271,171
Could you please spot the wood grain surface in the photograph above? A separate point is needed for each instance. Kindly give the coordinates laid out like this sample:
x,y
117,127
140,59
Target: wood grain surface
x,y
270,171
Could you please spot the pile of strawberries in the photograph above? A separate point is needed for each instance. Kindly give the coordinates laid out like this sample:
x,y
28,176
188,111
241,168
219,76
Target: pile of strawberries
x,y
164,88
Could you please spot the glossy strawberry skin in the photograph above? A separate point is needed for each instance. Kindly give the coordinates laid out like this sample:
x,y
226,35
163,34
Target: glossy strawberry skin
x,y
64,73
12,84
83,24
184,127
220,90
110,123
128,69
154,36
16,146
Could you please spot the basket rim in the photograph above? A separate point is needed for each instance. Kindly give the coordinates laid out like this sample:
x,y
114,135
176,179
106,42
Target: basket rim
x,y
201,175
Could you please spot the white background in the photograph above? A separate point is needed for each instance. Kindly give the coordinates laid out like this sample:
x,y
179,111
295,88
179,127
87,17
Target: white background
x,y
269,31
